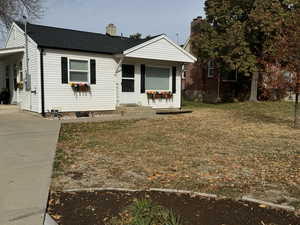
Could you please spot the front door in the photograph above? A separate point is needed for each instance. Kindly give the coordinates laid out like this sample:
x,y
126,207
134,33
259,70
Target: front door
x,y
128,94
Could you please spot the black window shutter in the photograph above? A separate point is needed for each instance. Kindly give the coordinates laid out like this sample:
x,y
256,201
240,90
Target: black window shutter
x,y
64,70
93,71
143,71
174,71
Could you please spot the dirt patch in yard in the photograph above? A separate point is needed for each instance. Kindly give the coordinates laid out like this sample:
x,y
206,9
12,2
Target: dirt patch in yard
x,y
86,208
233,150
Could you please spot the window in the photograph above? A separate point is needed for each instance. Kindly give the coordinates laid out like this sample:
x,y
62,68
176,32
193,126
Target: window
x,y
288,76
127,78
127,85
79,70
229,76
157,78
210,69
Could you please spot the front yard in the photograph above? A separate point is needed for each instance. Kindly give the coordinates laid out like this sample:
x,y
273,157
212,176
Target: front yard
x,y
229,149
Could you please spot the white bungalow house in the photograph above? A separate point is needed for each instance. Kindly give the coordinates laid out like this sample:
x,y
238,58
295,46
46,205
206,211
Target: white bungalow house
x,y
73,71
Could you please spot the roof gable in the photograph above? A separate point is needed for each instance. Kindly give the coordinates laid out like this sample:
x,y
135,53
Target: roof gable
x,y
160,48
58,38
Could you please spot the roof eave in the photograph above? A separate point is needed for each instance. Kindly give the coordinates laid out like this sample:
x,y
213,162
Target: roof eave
x,y
74,50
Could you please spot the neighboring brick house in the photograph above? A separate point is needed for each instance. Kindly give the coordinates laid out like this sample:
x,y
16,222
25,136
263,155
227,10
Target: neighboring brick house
x,y
204,82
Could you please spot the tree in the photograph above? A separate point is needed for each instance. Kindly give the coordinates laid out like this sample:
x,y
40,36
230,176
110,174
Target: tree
x,y
263,26
11,10
136,36
291,46
276,23
286,49
237,34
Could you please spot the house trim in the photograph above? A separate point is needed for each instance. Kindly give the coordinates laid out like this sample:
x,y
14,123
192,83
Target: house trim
x,y
12,50
9,34
88,70
128,51
75,50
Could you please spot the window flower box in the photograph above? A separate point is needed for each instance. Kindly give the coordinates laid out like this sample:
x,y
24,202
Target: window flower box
x,y
80,87
159,95
19,85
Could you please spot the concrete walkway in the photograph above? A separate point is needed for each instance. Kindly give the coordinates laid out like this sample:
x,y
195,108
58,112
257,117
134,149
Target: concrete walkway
x,y
113,117
27,148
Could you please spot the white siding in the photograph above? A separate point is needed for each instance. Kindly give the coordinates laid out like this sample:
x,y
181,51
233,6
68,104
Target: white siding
x,y
26,99
16,38
62,97
161,49
35,72
142,98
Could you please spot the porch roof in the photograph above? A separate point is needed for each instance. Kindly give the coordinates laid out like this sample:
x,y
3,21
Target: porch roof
x,y
6,52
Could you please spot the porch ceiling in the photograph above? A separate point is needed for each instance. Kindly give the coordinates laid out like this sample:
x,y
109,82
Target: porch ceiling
x,y
7,52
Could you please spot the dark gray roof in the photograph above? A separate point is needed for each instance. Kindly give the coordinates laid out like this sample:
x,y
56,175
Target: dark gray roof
x,y
59,38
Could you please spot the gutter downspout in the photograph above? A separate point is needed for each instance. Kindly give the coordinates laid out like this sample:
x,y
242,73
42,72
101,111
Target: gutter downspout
x,y
42,82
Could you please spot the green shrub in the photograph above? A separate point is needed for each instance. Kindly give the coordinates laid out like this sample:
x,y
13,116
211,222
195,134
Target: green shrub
x,y
144,212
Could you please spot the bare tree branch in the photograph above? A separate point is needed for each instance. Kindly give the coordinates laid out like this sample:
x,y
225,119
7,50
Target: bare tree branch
x,y
14,10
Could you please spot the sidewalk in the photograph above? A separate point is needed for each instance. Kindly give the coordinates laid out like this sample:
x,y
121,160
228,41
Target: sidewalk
x,y
27,148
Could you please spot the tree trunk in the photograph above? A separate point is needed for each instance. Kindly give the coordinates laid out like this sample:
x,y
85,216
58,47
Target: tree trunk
x,y
296,110
253,94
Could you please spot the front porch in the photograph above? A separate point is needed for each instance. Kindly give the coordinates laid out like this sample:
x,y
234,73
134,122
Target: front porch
x,y
11,75
149,83
7,109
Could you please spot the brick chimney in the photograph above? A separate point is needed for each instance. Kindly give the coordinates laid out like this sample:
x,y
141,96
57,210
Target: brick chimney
x,y
111,29
194,23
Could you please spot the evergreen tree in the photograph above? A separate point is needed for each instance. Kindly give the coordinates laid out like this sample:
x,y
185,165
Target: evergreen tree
x,y
136,36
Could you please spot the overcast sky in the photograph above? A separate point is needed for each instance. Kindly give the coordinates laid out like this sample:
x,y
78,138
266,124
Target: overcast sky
x,y
130,16
149,17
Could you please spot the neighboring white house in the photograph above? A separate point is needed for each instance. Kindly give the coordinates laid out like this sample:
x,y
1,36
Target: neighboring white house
x,y
74,71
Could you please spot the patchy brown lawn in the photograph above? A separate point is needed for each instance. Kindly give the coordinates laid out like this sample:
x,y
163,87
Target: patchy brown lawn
x,y
230,149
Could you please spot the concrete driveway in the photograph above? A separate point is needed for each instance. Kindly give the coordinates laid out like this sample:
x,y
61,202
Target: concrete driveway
x,y
27,148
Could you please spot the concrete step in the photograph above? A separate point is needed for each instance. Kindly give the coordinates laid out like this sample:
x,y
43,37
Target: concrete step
x,y
136,111
126,109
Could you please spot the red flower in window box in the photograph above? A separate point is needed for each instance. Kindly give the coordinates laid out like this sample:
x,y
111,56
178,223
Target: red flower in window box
x,y
80,87
159,95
